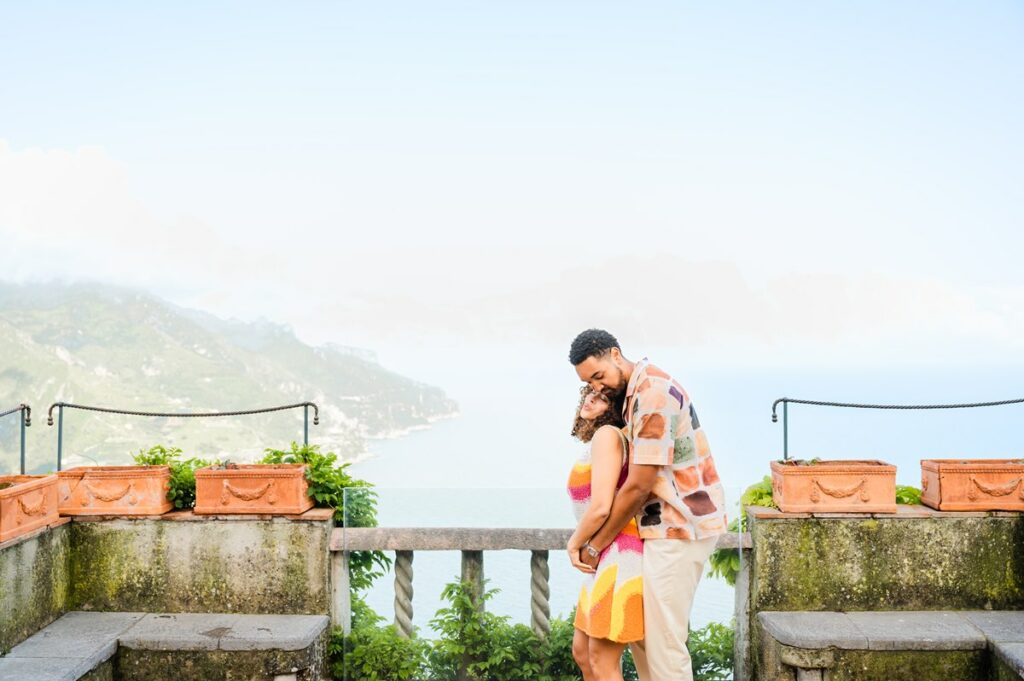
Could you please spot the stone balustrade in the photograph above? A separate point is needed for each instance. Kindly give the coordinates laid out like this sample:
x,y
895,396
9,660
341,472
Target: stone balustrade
x,y
472,542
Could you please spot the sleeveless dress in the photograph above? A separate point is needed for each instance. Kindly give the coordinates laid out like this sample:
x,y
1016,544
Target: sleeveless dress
x,y
611,602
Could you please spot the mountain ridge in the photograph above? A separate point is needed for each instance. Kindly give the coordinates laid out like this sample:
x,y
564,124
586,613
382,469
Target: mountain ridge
x,y
103,345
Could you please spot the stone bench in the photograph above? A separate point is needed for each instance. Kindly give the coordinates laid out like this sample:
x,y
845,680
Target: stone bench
x,y
892,645
104,646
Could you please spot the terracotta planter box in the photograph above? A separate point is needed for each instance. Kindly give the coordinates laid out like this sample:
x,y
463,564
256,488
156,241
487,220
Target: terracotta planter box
x,y
834,487
253,488
973,484
28,504
114,490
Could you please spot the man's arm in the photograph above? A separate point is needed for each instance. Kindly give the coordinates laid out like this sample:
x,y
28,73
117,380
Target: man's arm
x,y
627,503
652,446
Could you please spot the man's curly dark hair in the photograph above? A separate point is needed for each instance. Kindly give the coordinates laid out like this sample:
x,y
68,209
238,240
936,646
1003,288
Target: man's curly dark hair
x,y
591,343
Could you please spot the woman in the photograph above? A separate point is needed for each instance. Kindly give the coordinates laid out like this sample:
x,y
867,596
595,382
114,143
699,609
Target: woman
x,y
610,611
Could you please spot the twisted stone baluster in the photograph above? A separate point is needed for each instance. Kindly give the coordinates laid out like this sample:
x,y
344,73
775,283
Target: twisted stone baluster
x,y
540,592
403,593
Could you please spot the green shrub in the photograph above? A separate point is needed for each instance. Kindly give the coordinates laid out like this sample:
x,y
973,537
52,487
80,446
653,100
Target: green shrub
x,y
182,489
711,652
494,649
556,651
377,654
725,563
328,482
467,634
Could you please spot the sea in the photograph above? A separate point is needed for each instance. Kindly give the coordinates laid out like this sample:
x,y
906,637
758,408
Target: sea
x,y
504,459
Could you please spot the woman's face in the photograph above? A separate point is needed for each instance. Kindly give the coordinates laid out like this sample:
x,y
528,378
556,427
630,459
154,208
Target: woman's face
x,y
594,405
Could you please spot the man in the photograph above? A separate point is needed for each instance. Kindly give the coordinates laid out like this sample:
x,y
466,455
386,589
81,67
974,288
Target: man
x,y
673,490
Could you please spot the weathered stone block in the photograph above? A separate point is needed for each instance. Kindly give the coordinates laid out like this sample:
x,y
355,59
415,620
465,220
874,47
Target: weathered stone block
x,y
901,563
1009,660
34,583
79,645
141,664
245,566
778,662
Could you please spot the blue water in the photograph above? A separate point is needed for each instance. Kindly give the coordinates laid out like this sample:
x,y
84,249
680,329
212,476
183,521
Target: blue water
x,y
504,460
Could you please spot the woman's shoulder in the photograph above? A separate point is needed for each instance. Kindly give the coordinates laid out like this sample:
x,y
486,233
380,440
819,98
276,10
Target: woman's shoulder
x,y
607,435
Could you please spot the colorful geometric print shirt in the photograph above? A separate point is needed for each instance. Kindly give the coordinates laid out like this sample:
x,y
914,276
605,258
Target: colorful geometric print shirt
x,y
687,501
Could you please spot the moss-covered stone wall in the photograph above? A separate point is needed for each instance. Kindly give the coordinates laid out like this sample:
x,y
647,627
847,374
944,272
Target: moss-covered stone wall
x,y
918,560
941,562
158,565
34,583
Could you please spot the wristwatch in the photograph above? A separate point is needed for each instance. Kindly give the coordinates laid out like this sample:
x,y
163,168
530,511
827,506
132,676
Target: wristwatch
x,y
594,553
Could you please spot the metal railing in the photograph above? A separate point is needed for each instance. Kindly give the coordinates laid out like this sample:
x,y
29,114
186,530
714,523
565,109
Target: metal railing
x,y
25,419
472,542
785,401
61,406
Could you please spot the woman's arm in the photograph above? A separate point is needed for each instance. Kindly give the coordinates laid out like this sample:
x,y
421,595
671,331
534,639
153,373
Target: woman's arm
x,y
605,468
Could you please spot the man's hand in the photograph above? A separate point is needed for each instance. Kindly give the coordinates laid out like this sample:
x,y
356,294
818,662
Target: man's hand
x,y
590,560
577,557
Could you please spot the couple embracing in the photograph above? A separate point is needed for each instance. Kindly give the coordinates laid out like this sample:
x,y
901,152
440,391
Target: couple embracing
x,y
649,509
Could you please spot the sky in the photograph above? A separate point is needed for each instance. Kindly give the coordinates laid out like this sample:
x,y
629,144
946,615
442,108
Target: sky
x,y
785,183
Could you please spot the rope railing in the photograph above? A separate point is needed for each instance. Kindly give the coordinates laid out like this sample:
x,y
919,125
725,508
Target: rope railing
x,y
785,401
25,422
61,406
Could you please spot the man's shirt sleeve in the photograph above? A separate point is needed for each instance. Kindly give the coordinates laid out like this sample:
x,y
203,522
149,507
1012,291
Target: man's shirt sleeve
x,y
652,424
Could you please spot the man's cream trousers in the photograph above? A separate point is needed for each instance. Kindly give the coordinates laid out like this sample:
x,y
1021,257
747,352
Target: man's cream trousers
x,y
672,570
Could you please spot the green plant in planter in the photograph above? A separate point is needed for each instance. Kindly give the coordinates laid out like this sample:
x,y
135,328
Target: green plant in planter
x,y
759,494
328,481
182,489
906,494
806,462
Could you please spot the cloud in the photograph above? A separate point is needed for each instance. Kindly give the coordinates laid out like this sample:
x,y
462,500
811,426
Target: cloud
x,y
711,307
74,215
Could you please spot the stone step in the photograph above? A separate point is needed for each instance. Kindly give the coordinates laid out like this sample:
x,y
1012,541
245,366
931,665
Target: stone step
x,y
76,646
891,641
112,646
199,647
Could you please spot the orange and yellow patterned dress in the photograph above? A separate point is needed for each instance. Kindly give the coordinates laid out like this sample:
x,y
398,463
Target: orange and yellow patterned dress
x,y
611,604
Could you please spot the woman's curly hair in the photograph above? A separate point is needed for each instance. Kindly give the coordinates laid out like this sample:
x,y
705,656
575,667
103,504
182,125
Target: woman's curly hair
x,y
584,429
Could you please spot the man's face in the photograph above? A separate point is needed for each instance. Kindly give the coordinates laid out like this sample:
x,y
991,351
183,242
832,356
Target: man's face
x,y
603,373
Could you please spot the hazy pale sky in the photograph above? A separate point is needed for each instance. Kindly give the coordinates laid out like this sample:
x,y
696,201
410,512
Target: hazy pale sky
x,y
843,179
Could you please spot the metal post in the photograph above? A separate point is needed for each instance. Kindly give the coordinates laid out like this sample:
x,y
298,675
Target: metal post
x,y
785,431
305,425
60,434
22,415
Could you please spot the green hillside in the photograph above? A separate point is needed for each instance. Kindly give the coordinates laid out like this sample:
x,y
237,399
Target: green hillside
x,y
99,345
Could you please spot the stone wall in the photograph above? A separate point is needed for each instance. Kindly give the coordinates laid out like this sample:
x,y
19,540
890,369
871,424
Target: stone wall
x,y
177,562
34,582
181,563
918,559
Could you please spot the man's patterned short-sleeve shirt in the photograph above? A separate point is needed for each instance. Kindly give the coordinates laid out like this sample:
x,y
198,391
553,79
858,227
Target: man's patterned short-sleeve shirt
x,y
687,501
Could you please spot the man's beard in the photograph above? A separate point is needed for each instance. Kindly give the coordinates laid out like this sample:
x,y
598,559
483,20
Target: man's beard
x,y
614,393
